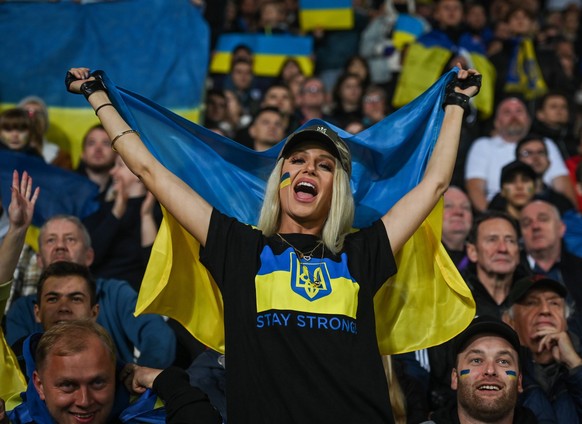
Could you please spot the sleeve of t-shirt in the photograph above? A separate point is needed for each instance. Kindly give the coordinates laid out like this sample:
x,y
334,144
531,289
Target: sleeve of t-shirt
x,y
370,255
557,165
476,163
229,244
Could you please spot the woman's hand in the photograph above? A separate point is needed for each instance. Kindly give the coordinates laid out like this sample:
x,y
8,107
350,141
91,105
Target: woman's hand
x,y
469,81
76,77
80,81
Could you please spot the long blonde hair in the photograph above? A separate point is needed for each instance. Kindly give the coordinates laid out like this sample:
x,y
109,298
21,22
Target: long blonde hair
x,y
341,213
397,398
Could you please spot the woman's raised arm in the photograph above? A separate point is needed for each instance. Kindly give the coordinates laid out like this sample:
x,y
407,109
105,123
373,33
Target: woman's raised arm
x,y
185,204
404,218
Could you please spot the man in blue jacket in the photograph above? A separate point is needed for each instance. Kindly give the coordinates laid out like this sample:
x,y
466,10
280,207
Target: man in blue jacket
x,y
64,238
552,374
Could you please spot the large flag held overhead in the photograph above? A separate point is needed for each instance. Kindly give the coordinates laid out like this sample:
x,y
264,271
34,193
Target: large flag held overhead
x,y
157,46
427,301
326,14
269,52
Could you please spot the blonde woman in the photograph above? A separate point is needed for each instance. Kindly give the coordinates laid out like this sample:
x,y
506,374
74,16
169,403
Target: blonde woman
x,y
299,316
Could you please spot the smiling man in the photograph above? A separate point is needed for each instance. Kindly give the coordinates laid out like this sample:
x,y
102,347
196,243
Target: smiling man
x,y
552,376
75,373
486,376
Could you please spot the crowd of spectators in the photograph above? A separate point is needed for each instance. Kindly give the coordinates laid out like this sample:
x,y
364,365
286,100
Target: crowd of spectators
x,y
518,174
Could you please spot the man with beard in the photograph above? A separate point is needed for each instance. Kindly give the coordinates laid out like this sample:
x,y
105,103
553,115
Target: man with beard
x,y
486,376
493,250
487,155
97,158
552,374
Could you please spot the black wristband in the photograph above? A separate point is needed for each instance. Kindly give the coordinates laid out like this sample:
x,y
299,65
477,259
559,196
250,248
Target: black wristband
x,y
89,87
470,81
459,99
69,79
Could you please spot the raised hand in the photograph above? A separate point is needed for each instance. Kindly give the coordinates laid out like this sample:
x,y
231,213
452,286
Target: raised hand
x,y
469,81
80,81
22,201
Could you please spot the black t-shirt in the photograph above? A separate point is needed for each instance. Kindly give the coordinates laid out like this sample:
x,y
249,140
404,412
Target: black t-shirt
x,y
300,336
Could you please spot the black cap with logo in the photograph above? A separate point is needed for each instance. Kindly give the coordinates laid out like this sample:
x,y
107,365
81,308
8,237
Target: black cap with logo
x,y
321,133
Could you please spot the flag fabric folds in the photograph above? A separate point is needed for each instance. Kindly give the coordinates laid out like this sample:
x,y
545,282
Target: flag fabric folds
x,y
11,378
158,46
325,14
427,301
269,52
525,76
425,60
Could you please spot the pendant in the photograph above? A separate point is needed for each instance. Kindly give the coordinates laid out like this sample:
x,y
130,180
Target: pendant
x,y
307,258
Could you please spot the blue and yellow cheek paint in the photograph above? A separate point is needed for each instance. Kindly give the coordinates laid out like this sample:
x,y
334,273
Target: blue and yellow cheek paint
x,y
285,180
511,374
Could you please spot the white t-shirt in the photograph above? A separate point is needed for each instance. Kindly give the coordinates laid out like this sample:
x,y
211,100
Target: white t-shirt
x,y
487,155
49,151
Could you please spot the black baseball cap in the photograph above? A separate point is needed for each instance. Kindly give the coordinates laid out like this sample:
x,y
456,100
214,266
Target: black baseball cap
x,y
324,134
485,324
521,287
512,168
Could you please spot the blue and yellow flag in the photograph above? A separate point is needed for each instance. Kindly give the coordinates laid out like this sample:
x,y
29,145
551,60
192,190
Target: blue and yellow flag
x,y
325,14
525,76
425,60
407,29
11,378
158,46
389,159
269,52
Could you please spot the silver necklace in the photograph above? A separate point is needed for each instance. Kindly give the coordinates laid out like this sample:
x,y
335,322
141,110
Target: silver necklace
x,y
303,256
305,276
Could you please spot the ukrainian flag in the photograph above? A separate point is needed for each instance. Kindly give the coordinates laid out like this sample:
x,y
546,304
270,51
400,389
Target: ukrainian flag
x,y
425,60
524,75
325,14
269,52
406,30
426,303
158,46
12,380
